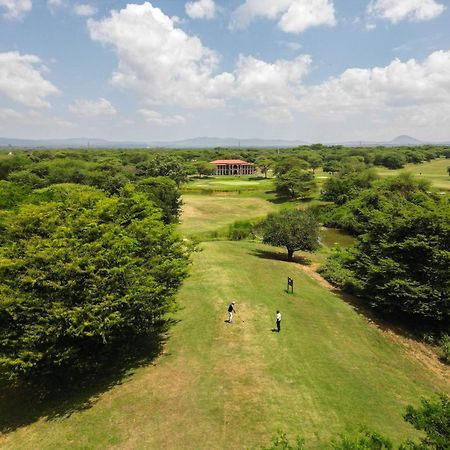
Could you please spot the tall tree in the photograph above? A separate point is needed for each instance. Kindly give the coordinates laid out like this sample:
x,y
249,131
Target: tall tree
x,y
296,183
79,274
294,229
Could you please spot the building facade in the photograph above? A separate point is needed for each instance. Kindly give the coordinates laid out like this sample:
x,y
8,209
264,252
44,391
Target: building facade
x,y
233,167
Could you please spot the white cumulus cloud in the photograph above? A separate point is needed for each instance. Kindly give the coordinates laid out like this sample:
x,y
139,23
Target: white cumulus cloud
x,y
413,91
21,80
398,10
84,10
293,16
93,108
271,84
15,9
53,5
201,9
157,118
160,61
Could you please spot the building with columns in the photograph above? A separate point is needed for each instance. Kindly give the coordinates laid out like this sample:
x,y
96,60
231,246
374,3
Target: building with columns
x,y
233,167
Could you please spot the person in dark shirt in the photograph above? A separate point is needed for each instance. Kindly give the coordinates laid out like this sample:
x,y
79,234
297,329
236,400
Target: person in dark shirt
x,y
230,312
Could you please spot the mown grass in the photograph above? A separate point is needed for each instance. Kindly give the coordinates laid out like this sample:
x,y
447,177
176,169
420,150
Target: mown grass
x,y
221,386
251,185
206,213
435,171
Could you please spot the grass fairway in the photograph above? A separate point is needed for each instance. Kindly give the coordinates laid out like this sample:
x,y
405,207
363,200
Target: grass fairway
x,y
207,213
435,171
221,386
250,184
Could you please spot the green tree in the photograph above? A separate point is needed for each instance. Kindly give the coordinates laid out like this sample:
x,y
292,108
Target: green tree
x,y
204,168
163,166
165,194
296,183
264,165
79,274
288,163
294,229
401,258
344,187
315,162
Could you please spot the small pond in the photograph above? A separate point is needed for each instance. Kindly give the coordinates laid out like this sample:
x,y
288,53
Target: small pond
x,y
332,237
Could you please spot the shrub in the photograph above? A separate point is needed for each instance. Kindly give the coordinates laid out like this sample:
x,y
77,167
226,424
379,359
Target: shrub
x,y
367,440
242,229
445,348
334,270
432,417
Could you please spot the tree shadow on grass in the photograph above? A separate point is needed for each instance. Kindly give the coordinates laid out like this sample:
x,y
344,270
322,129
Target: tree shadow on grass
x,y
59,398
281,256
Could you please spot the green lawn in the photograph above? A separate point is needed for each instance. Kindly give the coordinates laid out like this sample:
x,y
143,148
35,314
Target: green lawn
x,y
232,386
206,213
434,171
253,185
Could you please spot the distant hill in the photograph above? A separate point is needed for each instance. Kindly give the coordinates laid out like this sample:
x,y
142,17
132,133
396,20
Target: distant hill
x,y
405,140
199,142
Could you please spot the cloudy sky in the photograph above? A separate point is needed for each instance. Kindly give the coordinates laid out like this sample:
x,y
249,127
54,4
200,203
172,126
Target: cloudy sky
x,y
316,70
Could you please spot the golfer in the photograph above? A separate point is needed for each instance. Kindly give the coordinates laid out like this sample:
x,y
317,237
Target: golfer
x,y
278,321
230,312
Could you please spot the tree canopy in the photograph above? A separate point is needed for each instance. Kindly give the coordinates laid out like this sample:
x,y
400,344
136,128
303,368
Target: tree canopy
x,y
402,255
81,272
294,229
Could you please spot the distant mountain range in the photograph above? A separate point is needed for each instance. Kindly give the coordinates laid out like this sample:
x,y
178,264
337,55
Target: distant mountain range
x,y
199,142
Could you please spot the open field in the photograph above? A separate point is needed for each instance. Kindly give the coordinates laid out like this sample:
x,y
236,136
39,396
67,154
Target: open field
x,y
207,213
435,171
232,386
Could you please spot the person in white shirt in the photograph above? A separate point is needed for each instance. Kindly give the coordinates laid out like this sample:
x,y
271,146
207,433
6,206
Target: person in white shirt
x,y
278,321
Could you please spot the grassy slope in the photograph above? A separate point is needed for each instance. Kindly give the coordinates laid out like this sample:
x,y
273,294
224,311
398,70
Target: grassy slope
x,y
435,171
222,386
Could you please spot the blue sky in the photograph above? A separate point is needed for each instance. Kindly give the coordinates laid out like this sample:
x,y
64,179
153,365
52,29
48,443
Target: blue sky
x,y
316,70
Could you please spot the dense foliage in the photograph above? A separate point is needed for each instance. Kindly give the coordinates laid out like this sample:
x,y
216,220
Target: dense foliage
x,y
401,259
296,183
88,258
432,417
80,271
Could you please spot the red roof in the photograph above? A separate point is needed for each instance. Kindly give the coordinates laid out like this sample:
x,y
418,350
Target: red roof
x,y
221,162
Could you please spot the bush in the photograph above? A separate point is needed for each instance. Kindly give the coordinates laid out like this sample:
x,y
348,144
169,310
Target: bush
x,y
432,417
281,442
242,229
445,348
367,440
334,270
